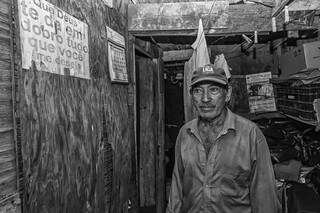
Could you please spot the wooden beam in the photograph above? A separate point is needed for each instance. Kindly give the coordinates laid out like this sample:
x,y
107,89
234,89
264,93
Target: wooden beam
x,y
299,5
230,1
271,5
177,55
298,20
296,5
145,19
177,16
280,7
242,19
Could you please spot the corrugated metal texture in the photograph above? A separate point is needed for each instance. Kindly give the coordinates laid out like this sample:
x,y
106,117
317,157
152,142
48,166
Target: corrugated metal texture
x,y
8,169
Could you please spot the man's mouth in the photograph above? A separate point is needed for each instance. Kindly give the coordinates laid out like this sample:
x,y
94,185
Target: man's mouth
x,y
207,108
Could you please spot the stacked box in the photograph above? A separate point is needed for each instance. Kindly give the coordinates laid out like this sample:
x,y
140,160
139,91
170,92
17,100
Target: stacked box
x,y
297,101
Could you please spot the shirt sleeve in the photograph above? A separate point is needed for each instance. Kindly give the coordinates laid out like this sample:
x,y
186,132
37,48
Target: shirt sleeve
x,y
175,197
263,193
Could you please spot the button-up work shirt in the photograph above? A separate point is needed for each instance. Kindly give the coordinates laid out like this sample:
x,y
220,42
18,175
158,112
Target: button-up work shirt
x,y
236,177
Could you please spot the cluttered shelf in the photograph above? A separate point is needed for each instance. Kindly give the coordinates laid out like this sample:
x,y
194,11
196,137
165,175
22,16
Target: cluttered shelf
x,y
280,114
298,96
311,123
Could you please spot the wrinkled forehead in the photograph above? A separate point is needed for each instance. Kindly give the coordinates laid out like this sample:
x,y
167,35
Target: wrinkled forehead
x,y
204,84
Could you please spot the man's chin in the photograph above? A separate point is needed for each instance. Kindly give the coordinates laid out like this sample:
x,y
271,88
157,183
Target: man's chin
x,y
207,116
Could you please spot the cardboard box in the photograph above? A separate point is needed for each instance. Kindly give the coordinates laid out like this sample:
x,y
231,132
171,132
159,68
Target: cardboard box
x,y
305,56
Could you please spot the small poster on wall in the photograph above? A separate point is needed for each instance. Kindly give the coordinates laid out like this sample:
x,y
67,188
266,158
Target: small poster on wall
x,y
260,92
52,40
117,63
117,57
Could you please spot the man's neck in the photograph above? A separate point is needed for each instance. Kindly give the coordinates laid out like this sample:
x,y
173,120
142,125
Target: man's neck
x,y
214,124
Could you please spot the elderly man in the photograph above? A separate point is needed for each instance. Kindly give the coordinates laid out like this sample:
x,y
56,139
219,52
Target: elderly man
x,y
222,161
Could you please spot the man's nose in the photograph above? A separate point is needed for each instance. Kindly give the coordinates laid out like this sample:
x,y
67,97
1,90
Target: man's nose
x,y
205,96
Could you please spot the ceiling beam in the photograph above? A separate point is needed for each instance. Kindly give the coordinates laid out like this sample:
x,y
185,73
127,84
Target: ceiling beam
x,y
177,55
181,19
280,7
184,17
299,5
178,22
181,16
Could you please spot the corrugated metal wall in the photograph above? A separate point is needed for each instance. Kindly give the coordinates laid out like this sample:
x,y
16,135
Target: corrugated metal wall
x,y
8,168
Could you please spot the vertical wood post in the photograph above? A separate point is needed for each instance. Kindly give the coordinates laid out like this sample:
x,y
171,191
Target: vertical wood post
x,y
160,170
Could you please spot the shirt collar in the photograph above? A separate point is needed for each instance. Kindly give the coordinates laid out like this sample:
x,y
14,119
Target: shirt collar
x,y
229,124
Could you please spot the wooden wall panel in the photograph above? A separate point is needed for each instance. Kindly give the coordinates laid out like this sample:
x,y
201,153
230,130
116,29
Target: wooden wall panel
x,y
60,120
160,142
62,129
8,168
6,115
148,131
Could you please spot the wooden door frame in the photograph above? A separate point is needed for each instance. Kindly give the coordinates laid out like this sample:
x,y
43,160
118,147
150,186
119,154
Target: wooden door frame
x,y
160,135
160,169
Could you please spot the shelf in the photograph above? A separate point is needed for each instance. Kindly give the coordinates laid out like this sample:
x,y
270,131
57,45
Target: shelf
x,y
261,115
311,123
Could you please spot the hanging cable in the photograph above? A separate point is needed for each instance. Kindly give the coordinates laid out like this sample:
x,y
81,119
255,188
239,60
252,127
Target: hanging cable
x,y
208,19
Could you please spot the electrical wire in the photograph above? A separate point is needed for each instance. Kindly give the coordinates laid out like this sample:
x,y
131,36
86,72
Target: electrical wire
x,y
251,37
275,47
302,16
205,26
313,11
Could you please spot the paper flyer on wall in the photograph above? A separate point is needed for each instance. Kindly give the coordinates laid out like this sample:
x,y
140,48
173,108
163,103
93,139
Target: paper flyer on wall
x,y
260,92
53,40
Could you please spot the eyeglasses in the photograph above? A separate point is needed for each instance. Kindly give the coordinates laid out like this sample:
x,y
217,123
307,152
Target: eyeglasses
x,y
199,91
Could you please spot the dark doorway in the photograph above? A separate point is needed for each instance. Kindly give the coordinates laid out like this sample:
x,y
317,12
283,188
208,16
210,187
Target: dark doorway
x,y
174,114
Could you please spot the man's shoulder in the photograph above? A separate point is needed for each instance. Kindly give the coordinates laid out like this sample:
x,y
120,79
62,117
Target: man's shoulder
x,y
244,123
189,125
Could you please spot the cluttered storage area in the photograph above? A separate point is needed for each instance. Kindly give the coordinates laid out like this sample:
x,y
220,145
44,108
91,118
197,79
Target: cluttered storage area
x,y
274,61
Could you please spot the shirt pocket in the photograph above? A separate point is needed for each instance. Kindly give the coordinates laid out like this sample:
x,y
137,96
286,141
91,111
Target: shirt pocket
x,y
235,184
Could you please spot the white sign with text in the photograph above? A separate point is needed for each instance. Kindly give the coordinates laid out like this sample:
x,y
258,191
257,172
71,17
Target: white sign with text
x,y
115,37
53,40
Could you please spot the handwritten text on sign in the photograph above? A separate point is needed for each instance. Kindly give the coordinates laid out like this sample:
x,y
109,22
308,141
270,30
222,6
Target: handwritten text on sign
x,y
54,40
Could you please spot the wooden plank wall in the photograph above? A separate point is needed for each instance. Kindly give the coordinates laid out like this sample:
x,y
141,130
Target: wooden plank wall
x,y
150,125
62,131
8,166
148,131
160,143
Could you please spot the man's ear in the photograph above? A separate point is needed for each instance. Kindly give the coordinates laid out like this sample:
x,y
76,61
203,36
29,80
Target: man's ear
x,y
229,92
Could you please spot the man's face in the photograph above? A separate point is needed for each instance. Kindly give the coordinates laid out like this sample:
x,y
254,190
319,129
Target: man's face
x,y
210,99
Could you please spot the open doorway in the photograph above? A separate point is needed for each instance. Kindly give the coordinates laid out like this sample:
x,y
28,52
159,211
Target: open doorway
x,y
174,114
